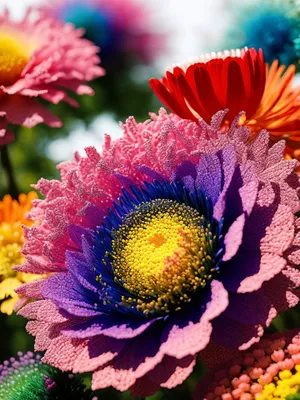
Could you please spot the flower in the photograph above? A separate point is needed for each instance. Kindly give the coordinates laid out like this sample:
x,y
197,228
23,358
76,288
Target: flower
x,y
236,80
13,214
274,27
119,28
41,58
173,235
269,370
28,378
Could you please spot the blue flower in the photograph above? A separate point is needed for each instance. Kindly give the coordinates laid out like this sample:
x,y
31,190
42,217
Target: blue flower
x,y
274,28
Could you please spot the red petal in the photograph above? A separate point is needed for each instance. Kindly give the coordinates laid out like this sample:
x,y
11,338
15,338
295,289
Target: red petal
x,y
169,100
258,79
205,91
236,94
187,91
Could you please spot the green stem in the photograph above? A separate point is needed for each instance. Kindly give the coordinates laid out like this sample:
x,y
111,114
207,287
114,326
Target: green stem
x,y
5,160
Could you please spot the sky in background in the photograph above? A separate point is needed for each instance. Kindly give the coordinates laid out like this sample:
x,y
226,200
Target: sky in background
x,y
194,27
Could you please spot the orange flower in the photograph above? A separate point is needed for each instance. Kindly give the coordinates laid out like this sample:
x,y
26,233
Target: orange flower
x,y
12,217
238,80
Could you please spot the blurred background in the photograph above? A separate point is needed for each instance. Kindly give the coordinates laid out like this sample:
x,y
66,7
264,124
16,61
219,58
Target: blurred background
x,y
184,29
174,32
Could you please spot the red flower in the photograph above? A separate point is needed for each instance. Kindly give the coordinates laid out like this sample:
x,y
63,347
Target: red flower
x,y
236,82
240,81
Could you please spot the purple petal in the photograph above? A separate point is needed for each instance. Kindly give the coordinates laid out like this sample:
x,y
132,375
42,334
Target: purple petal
x,y
118,327
77,233
138,357
68,294
209,176
189,331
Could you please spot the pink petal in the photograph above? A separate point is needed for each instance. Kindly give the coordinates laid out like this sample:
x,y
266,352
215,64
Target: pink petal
x,y
188,339
234,237
270,266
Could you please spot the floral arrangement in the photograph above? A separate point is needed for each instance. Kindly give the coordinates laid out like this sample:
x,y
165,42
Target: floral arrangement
x,y
175,244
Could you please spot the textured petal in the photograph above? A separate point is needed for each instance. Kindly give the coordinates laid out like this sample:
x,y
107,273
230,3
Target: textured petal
x,y
63,353
233,238
233,334
99,351
168,374
193,330
111,326
65,289
44,311
209,176
132,363
270,266
28,112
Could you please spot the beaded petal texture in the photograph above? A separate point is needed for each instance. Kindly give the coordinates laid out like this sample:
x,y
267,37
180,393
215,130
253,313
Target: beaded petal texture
x,y
174,235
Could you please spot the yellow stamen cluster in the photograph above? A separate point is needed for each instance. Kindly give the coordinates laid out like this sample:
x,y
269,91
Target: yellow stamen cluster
x,y
284,384
161,254
13,59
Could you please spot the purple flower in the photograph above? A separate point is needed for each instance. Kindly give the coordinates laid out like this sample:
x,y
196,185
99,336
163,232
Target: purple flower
x,y
175,235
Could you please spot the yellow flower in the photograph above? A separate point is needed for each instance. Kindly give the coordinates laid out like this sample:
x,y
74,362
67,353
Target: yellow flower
x,y
13,214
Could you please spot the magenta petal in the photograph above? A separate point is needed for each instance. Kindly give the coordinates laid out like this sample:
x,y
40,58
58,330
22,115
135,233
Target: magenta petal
x,y
28,112
234,237
172,372
139,356
249,308
108,325
168,374
231,333
209,176
191,333
99,351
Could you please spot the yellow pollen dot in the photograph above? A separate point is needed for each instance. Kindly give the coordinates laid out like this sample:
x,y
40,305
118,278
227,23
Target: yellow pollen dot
x,y
284,384
157,239
13,59
160,255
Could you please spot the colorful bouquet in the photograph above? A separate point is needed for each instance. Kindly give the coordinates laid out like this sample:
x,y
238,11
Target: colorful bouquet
x,y
177,242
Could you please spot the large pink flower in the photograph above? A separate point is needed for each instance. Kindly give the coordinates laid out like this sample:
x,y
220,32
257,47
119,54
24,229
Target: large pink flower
x,y
41,58
176,234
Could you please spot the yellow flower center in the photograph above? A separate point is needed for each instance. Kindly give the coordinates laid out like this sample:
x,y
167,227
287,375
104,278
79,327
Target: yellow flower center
x,y
160,254
11,241
286,383
13,59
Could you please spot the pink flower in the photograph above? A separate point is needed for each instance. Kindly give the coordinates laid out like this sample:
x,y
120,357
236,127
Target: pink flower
x,y
176,234
41,58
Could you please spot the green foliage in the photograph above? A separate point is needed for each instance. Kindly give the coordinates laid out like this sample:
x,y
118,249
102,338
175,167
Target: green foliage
x,y
293,396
